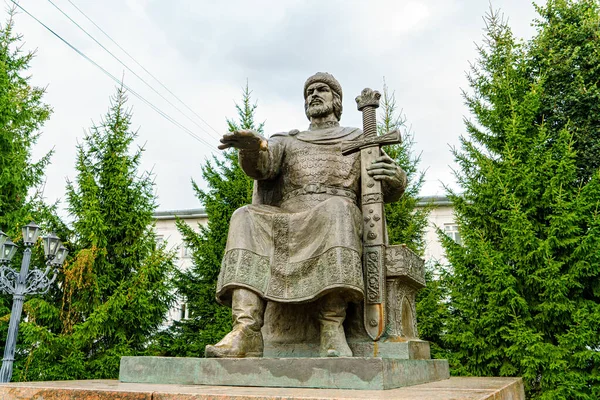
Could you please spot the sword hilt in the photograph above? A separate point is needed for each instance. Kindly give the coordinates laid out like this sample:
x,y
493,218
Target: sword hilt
x,y
369,116
367,103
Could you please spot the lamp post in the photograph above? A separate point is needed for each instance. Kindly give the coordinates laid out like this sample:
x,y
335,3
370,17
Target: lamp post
x,y
25,282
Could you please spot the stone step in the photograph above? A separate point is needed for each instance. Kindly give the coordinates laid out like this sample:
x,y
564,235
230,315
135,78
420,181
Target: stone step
x,y
366,373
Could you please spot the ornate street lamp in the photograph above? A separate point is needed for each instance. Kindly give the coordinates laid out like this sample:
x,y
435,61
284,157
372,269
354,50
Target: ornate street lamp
x,y
25,282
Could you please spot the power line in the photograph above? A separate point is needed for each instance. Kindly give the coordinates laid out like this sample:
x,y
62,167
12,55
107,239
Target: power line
x,y
142,67
130,70
155,108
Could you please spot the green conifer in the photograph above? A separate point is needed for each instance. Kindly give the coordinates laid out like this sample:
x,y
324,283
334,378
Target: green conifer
x,y
229,189
524,292
22,114
115,288
407,219
406,222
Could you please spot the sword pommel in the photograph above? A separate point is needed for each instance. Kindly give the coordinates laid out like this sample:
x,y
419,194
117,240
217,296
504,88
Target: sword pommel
x,y
368,97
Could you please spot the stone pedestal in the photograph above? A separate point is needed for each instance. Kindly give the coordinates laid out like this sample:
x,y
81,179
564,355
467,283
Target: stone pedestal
x,y
292,330
341,373
448,389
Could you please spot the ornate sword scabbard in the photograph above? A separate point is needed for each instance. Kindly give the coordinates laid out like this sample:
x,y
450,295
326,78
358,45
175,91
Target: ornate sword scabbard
x,y
374,234
373,219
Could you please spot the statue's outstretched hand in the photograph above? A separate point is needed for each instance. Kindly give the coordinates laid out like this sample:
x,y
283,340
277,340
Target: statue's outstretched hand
x,y
244,139
385,169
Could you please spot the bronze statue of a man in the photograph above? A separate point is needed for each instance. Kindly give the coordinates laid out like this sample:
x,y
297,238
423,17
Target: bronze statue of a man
x,y
300,240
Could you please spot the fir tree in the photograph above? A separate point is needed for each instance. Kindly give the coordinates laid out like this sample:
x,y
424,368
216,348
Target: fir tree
x,y
22,114
525,282
229,189
406,223
566,50
115,288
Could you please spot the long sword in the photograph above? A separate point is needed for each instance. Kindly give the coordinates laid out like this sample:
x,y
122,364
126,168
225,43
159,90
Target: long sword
x,y
374,229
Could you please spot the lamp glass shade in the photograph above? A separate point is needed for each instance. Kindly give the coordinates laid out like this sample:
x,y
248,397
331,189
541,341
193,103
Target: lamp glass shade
x,y
30,233
3,238
61,255
9,250
51,245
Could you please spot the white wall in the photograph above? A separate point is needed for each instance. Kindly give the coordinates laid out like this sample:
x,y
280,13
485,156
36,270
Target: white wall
x,y
441,216
166,230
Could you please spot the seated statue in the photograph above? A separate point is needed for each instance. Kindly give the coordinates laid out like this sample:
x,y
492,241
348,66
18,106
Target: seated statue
x,y
301,239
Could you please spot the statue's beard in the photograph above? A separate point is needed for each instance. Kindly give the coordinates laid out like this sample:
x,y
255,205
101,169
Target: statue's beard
x,y
319,110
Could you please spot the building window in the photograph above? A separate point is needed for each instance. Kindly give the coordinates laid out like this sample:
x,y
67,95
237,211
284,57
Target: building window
x,y
183,312
452,231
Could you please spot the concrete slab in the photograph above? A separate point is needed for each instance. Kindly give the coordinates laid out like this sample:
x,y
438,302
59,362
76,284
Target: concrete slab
x,y
449,389
365,373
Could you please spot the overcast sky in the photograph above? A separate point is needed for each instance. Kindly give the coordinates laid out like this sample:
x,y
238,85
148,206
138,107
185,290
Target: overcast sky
x,y
204,51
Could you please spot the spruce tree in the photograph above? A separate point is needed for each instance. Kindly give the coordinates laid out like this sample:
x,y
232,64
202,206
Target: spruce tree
x,y
524,292
566,50
22,114
115,288
406,223
229,189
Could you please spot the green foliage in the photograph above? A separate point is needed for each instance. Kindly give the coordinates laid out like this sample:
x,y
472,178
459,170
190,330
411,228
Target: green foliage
x,y
22,114
114,290
229,189
432,309
566,51
406,223
524,293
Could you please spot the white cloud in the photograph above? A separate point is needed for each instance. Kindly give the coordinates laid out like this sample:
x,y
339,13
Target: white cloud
x,y
204,52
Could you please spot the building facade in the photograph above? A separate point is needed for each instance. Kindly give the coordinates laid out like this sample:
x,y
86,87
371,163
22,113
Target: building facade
x,y
442,217
167,232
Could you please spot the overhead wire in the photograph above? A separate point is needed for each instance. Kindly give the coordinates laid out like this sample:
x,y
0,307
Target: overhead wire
x,y
118,81
142,67
132,71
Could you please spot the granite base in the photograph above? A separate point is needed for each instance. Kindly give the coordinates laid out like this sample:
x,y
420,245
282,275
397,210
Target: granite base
x,y
341,373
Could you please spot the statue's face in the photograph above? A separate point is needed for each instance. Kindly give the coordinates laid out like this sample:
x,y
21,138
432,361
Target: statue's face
x,y
319,100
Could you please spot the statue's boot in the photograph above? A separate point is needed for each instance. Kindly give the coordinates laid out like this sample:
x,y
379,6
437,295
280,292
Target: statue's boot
x,y
331,318
245,339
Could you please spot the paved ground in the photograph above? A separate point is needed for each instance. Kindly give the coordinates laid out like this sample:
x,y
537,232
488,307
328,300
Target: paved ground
x,y
451,389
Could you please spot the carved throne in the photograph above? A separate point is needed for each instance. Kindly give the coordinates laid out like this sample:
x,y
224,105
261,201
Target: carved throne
x,y
292,330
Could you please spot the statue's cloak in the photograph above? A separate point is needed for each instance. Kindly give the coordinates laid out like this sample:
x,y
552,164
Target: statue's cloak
x,y
301,237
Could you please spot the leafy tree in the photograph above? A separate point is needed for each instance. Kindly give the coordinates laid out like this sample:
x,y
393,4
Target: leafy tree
x,y
524,292
229,189
115,288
